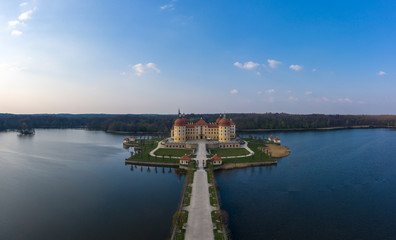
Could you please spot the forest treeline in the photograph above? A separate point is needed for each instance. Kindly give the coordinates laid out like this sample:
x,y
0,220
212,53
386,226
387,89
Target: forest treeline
x,y
163,123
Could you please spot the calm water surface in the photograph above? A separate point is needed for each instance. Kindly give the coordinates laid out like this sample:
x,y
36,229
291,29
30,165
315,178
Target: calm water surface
x,y
334,185
73,184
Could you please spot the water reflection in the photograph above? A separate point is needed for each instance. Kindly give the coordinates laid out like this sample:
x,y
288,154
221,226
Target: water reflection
x,y
66,174
179,172
328,188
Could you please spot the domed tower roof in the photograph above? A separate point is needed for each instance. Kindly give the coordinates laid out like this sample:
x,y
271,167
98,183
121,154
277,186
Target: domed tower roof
x,y
219,119
224,122
179,122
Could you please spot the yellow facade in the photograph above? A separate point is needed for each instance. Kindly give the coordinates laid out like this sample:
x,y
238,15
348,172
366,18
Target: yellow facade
x,y
224,135
179,134
223,130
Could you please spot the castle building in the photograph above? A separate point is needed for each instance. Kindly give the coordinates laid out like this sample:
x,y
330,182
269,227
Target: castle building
x,y
222,130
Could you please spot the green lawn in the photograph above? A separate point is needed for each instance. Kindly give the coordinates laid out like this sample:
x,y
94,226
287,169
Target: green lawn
x,y
258,155
172,152
228,152
148,146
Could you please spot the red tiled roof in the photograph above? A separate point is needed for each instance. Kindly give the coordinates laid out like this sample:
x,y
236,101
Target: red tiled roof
x,y
185,157
271,137
179,122
215,157
184,122
201,122
224,122
277,138
126,139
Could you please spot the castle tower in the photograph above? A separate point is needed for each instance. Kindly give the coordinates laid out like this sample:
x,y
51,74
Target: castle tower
x,y
224,130
179,130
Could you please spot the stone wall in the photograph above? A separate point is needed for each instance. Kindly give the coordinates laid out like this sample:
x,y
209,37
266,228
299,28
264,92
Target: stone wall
x,y
180,145
223,145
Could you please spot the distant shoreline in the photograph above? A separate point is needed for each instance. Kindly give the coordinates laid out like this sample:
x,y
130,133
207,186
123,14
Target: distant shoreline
x,y
239,130
276,130
313,129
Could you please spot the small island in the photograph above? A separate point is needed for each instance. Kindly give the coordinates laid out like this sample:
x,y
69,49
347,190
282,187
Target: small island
x,y
222,146
199,148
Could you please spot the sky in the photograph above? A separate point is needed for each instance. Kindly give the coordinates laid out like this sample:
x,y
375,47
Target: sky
x,y
155,56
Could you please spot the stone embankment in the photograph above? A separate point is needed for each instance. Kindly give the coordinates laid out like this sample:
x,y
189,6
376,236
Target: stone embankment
x,y
146,163
228,166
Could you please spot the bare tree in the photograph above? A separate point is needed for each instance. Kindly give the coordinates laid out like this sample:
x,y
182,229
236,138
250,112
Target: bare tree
x,y
178,219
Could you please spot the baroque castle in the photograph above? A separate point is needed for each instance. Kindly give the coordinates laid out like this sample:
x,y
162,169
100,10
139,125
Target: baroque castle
x,y
223,130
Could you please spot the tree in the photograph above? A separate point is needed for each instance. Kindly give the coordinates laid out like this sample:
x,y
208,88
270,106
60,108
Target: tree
x,y
178,219
222,217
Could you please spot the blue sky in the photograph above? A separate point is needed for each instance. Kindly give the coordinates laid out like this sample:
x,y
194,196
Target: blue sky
x,y
202,56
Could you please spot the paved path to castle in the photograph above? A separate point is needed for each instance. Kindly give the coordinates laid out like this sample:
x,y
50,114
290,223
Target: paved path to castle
x,y
199,223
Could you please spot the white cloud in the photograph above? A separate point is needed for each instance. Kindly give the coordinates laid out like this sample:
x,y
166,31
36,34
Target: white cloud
x,y
314,69
325,99
13,23
381,73
153,66
234,91
16,33
273,63
296,67
258,73
293,99
167,6
344,100
270,91
308,93
259,92
23,4
247,65
238,64
289,91
140,68
26,15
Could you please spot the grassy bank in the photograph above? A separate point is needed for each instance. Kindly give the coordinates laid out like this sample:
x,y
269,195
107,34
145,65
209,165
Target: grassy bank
x,y
180,218
219,217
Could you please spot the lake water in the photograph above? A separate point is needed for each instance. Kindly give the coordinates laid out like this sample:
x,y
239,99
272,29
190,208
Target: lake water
x,y
74,184
334,185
